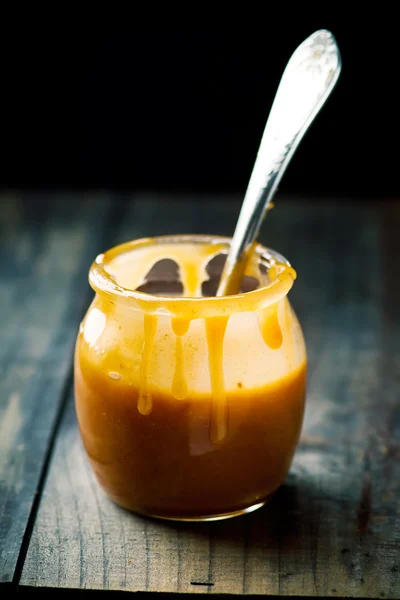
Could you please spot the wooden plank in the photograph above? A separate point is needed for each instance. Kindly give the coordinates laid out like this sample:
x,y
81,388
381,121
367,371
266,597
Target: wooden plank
x,y
46,246
333,529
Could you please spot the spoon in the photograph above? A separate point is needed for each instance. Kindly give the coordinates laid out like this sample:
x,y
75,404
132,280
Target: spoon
x,y
309,78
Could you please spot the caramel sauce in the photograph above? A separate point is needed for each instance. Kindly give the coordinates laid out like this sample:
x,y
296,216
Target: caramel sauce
x,y
165,464
125,415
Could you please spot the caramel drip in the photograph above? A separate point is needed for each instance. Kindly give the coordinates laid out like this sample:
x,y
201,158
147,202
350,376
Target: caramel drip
x,y
270,328
215,332
179,387
193,263
150,329
189,272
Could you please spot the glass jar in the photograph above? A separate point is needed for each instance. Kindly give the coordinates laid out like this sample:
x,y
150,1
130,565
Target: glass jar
x,y
190,406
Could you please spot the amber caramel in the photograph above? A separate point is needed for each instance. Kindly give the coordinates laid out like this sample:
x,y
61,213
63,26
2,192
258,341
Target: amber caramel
x,y
166,464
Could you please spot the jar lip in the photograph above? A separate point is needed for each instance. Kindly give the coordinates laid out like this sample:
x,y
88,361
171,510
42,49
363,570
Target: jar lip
x,y
104,283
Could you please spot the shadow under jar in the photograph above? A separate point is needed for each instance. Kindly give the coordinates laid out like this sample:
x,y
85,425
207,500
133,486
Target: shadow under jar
x,y
190,406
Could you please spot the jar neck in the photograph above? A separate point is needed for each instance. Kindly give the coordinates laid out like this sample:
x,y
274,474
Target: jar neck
x,y
118,273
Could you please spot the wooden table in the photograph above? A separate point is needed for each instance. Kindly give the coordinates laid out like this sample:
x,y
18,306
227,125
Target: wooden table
x,y
333,529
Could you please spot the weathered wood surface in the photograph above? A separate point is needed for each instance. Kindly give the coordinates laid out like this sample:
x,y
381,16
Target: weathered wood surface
x,y
45,248
334,528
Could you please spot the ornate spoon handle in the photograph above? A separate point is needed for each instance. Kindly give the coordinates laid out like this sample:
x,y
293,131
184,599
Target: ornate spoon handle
x,y
306,83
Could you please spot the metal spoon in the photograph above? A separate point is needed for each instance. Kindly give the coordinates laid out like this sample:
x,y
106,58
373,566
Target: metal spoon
x,y
306,83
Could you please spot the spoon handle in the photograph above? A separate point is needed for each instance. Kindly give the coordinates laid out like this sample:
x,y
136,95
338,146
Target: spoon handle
x,y
306,83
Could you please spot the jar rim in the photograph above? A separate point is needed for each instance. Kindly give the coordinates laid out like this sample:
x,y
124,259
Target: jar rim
x,y
104,283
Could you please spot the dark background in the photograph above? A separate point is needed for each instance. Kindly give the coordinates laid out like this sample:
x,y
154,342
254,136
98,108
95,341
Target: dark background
x,y
184,110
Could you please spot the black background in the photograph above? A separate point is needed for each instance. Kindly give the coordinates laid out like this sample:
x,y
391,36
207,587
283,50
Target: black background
x,y
184,110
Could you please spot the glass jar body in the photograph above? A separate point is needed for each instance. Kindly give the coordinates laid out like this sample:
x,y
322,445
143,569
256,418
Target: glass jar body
x,y
185,416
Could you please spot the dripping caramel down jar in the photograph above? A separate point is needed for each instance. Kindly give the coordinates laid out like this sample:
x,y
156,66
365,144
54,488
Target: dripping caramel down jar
x,y
190,406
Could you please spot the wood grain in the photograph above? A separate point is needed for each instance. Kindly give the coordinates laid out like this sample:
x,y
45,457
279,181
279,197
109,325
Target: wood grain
x,y
45,250
333,529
